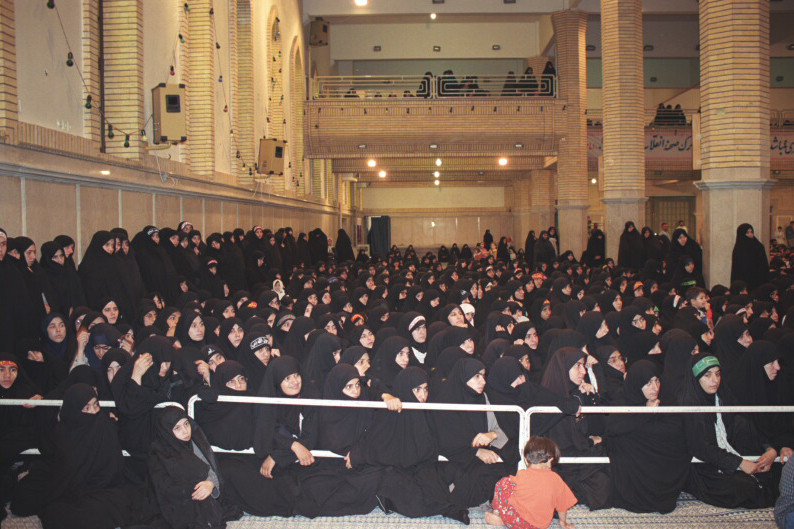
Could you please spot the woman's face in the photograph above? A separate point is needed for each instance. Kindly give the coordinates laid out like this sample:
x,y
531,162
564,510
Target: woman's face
x,y
173,319
263,354
353,388
456,318
545,312
618,303
111,312
577,372
113,368
238,383
603,330
182,430
228,312
96,322
91,407
326,299
403,357
56,330
639,322
236,335
772,369
682,239
477,382
518,381
689,267
745,339
710,381
362,365
291,385
109,246
149,318
367,339
196,330
8,374
419,334
468,346
651,389
531,339
330,328
525,362
421,391
271,319
287,325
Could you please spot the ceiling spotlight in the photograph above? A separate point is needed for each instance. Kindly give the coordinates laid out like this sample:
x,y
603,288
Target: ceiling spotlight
x,y
438,162
437,182
593,180
436,174
433,146
361,3
362,146
519,145
372,163
104,172
433,16
436,48
502,161
382,174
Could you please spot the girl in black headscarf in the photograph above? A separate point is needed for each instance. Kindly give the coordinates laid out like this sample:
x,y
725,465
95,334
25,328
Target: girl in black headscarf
x,y
749,262
565,375
156,268
185,475
101,275
66,292
731,339
86,485
393,355
678,348
231,426
295,342
683,245
323,356
343,250
473,450
413,327
630,253
544,250
596,249
649,461
613,367
724,479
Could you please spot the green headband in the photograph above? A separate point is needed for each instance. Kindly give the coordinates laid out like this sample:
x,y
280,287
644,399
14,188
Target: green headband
x,y
704,364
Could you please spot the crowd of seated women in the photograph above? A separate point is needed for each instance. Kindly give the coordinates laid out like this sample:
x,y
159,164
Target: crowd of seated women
x,y
170,314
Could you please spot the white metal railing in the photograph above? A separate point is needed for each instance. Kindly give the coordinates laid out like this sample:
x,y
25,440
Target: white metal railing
x,y
437,87
525,416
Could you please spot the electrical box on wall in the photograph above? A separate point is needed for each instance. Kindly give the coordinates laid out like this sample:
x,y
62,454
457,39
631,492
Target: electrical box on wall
x,y
168,108
318,33
271,156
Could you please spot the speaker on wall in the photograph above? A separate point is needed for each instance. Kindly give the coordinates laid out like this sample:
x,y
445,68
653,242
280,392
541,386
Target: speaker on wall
x,y
271,156
168,107
318,33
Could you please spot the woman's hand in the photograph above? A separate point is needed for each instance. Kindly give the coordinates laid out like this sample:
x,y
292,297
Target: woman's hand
x,y
392,403
267,467
764,462
785,454
142,365
202,490
591,361
653,403
489,457
82,341
204,370
748,467
35,356
305,457
586,388
348,464
483,439
596,439
34,397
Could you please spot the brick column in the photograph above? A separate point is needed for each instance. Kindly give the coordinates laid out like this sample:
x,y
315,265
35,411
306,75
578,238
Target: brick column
x,y
123,75
93,128
9,101
624,127
570,28
245,90
201,88
734,79
543,191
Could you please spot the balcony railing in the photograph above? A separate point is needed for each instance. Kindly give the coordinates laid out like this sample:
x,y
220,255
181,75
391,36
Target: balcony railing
x,y
438,87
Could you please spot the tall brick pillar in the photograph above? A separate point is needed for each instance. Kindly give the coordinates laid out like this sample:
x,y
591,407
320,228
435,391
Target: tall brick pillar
x,y
543,197
123,76
624,127
570,28
201,88
734,97
9,102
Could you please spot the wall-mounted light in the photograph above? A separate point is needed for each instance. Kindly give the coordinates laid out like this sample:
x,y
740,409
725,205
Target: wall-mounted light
x,y
593,181
433,16
496,47
647,47
519,145
436,174
502,161
104,172
361,3
372,163
590,47
382,174
436,48
362,146
438,162
653,79
376,48
433,146
437,182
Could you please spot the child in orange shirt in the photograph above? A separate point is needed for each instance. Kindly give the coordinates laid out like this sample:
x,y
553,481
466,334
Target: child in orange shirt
x,y
528,499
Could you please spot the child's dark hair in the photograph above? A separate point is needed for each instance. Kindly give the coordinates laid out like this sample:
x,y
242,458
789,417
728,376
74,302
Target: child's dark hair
x,y
539,450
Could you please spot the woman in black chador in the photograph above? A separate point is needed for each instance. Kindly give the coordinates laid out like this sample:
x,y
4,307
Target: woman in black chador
x,y
631,250
749,262
185,475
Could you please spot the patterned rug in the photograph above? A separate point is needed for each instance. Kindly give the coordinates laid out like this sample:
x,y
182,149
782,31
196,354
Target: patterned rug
x,y
690,514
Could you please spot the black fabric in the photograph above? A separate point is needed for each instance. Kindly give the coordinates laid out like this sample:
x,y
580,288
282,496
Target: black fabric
x,y
630,251
748,261
102,277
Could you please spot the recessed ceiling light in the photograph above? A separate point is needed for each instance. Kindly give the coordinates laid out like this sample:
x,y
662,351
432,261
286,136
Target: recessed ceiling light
x,y
437,174
519,145
382,174
436,48
361,3
437,182
372,163
433,16
433,146
362,146
104,172
502,161
438,162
